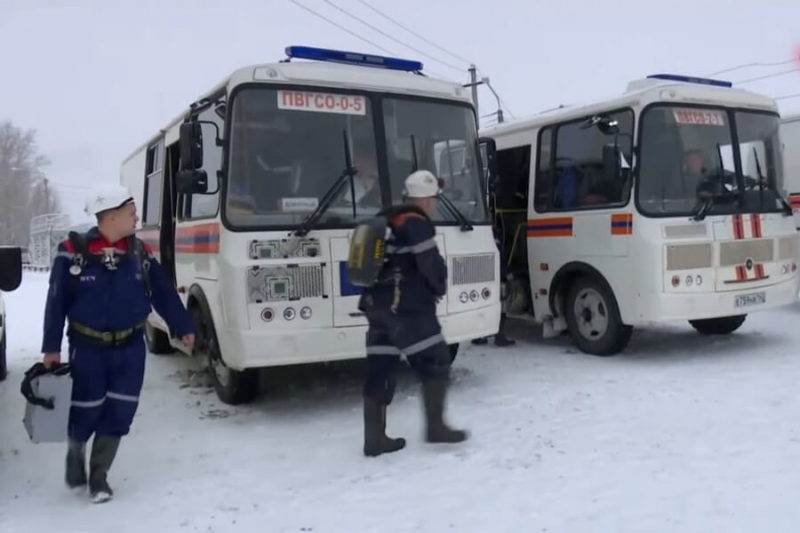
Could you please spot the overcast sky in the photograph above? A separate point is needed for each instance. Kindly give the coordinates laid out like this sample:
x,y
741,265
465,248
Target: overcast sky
x,y
96,78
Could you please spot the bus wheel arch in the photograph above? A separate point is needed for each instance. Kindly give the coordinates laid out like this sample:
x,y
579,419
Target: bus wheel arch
x,y
596,329
233,387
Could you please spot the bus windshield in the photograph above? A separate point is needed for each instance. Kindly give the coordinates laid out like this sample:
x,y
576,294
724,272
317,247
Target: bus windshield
x,y
442,138
287,148
688,154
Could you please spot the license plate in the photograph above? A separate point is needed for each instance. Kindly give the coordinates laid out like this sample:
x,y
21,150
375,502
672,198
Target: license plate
x,y
746,300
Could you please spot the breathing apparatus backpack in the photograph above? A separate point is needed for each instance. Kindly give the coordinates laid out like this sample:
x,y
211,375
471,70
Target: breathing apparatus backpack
x,y
367,252
83,257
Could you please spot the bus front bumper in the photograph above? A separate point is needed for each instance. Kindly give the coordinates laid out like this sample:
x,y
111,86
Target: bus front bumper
x,y
269,347
670,307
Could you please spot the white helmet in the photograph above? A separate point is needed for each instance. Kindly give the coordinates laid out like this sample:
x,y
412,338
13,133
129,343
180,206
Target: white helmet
x,y
421,184
108,196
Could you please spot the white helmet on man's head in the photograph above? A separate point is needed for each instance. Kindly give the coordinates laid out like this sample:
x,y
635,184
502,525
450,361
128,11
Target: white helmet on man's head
x,y
422,184
108,196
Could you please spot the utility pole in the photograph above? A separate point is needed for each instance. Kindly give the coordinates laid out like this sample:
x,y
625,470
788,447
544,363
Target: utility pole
x,y
473,83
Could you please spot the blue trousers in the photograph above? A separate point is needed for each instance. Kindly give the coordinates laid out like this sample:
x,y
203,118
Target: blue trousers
x,y
106,383
418,336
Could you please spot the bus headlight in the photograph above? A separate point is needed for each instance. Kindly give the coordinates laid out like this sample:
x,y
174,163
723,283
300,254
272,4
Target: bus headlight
x,y
463,297
289,313
305,313
473,295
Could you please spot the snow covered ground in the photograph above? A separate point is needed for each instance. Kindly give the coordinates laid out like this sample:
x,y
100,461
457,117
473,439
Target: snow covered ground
x,y
680,434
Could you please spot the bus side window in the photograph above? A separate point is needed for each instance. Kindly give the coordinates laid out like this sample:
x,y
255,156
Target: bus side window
x,y
543,185
154,178
580,180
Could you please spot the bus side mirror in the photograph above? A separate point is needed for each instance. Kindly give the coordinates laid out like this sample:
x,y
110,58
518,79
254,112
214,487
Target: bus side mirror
x,y
192,182
488,153
10,268
611,163
191,145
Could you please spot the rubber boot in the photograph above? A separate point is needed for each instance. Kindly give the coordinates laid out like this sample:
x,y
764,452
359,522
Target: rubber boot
x,y
375,440
433,394
75,475
480,341
104,450
500,340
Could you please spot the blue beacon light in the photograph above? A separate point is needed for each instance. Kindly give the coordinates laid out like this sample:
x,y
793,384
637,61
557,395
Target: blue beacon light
x,y
352,58
691,79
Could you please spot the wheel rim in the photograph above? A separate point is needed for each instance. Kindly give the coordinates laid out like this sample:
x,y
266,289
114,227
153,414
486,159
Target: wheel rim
x,y
591,314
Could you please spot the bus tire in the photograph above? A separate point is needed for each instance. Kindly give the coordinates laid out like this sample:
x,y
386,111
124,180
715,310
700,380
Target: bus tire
x,y
157,341
593,319
724,325
233,387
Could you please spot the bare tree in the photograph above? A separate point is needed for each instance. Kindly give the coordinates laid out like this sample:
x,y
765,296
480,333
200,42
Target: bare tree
x,y
24,190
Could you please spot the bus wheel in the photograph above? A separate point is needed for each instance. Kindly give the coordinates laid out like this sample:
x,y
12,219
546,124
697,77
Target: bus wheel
x,y
233,387
593,319
718,326
157,340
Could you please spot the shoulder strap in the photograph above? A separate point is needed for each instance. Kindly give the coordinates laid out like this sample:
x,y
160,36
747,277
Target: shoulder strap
x,y
80,258
136,245
80,244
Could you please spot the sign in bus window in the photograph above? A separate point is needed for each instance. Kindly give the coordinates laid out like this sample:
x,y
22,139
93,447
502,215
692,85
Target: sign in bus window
x,y
346,104
701,117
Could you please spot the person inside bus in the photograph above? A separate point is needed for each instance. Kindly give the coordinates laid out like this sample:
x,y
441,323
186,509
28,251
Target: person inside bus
x,y
698,173
365,183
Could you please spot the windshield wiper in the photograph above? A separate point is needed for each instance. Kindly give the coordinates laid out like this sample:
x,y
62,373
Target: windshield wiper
x,y
446,202
709,200
347,175
787,207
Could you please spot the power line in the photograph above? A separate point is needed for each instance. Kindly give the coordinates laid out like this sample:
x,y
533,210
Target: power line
x,y
326,19
401,43
787,96
354,34
500,101
417,35
757,64
773,75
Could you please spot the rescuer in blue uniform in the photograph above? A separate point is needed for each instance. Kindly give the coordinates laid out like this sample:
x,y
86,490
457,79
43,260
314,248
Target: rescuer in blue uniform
x,y
401,310
102,283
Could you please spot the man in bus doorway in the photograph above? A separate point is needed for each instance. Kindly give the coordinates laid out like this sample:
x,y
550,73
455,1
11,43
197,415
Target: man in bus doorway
x,y
401,310
102,283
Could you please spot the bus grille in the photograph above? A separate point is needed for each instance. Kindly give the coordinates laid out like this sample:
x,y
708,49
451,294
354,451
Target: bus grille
x,y
285,282
468,269
738,252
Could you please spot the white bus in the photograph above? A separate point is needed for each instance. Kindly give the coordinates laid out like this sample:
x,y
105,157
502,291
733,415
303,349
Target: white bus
x,y
663,204
790,138
247,197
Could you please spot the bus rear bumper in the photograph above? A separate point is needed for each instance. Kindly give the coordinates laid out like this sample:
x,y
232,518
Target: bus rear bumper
x,y
269,347
671,307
